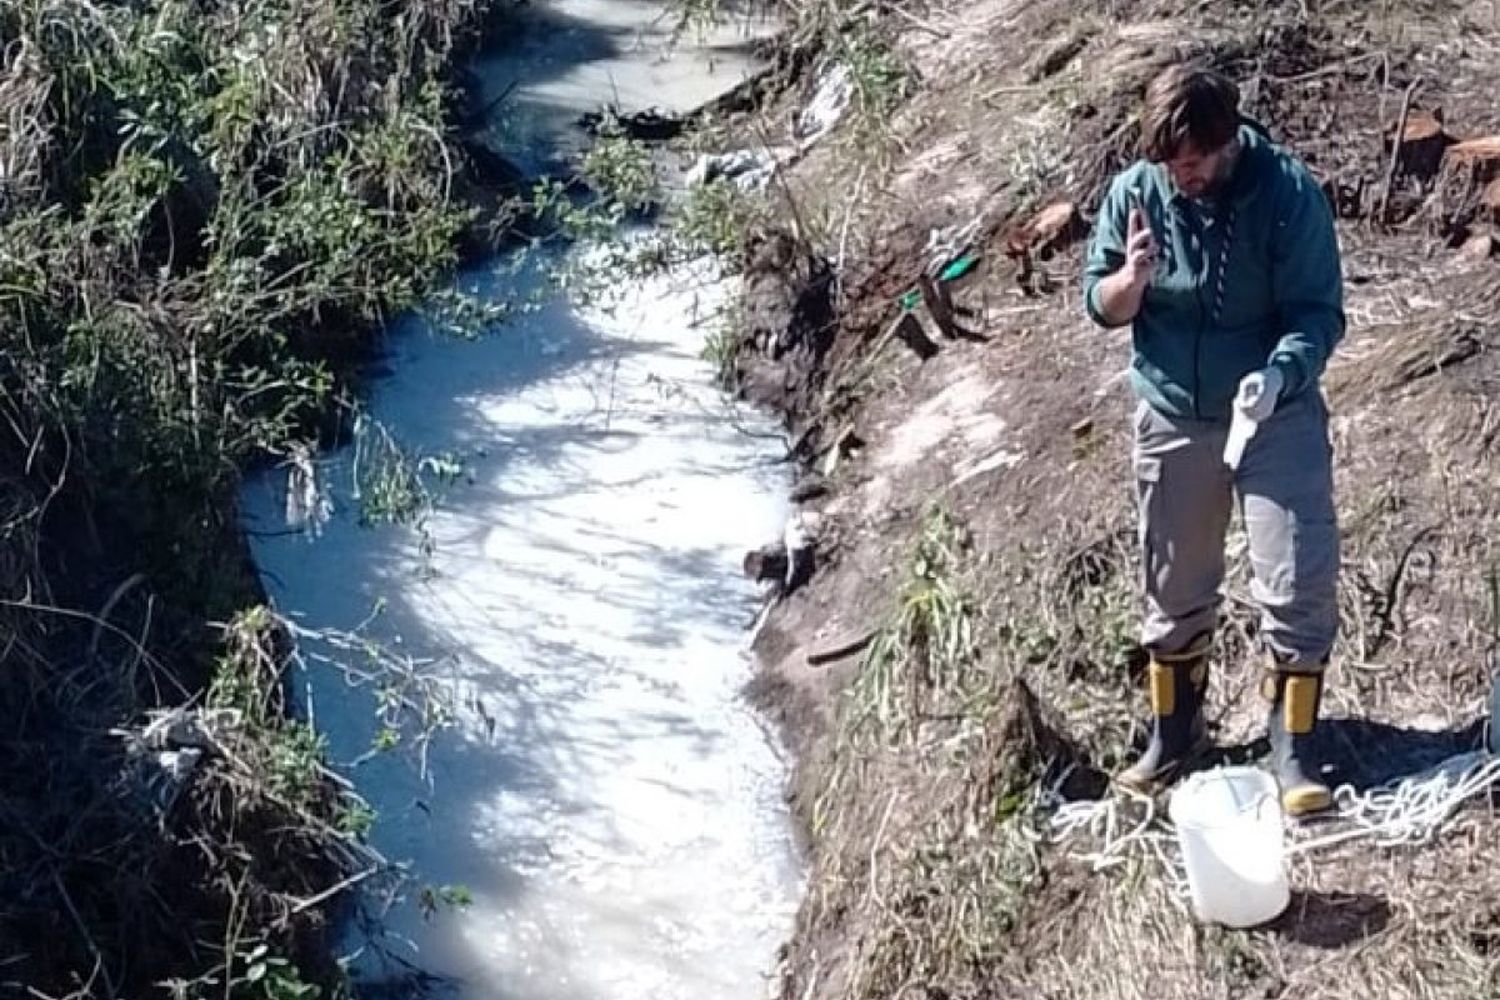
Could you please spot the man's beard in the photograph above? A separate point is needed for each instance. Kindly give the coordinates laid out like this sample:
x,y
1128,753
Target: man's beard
x,y
1225,170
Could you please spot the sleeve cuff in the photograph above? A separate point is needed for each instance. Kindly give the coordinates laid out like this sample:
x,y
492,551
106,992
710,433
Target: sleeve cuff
x,y
1091,303
1292,376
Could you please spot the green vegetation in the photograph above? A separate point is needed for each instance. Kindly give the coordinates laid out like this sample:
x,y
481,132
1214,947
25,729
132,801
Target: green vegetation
x,y
620,168
202,232
717,217
881,81
724,341
616,186
270,977
936,875
929,644
205,213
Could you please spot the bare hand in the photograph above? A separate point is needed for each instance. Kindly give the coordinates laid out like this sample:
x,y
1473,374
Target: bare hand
x,y
1140,249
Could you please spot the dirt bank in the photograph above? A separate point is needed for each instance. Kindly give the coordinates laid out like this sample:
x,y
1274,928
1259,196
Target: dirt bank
x,y
970,491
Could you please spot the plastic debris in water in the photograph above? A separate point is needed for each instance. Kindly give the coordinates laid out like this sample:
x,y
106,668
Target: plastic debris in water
x,y
834,93
307,505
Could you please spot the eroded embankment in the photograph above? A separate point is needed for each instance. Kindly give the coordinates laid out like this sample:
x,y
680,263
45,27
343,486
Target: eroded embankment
x,y
966,649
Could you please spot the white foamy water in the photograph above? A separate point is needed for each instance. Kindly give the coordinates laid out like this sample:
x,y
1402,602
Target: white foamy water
x,y
610,801
612,804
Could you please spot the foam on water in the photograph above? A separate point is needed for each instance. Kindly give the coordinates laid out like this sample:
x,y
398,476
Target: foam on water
x,y
611,802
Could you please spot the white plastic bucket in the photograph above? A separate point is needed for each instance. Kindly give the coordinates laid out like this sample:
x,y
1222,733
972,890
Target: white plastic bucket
x,y
1230,830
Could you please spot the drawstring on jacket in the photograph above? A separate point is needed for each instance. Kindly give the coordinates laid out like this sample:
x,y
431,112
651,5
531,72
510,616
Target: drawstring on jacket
x,y
1223,264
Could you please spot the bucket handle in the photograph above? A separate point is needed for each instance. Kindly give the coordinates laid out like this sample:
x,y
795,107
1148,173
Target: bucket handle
x,y
1256,805
1253,808
1261,800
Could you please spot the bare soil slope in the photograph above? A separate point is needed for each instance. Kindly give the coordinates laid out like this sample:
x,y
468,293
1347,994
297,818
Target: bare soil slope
x,y
978,524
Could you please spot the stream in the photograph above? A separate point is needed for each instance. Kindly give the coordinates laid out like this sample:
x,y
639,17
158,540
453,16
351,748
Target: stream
x,y
605,796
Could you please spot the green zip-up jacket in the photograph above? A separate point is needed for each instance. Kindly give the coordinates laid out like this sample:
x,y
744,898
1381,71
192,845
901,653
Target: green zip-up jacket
x,y
1209,318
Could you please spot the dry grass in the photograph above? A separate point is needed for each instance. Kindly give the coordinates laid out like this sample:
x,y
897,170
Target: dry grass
x,y
932,849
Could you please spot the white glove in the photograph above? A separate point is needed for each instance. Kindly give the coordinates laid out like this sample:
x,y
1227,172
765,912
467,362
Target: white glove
x,y
1259,392
1256,400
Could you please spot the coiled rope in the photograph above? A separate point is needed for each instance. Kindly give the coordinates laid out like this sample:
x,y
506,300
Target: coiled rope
x,y
1410,810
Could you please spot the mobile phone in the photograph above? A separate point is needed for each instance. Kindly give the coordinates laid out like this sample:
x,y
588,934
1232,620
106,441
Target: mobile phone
x,y
1136,200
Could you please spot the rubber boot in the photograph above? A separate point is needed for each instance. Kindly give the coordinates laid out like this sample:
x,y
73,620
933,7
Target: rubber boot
x,y
1177,683
1295,698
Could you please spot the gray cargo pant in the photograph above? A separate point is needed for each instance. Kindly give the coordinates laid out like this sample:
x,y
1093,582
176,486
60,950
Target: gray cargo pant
x,y
1285,491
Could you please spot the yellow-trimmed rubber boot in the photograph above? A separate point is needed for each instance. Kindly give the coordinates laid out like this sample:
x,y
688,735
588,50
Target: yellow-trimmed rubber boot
x,y
1177,683
1295,698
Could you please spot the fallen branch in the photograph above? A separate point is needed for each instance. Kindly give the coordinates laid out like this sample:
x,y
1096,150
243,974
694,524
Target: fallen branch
x,y
847,647
938,306
333,890
1329,70
917,22
1396,146
1386,613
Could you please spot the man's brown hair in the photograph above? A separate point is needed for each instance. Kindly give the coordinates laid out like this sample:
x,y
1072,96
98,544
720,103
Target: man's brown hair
x,y
1188,105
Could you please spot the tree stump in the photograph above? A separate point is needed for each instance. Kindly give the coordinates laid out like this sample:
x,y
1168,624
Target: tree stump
x,y
1468,186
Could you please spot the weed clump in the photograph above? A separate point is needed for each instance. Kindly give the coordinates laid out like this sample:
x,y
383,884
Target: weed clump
x,y
206,213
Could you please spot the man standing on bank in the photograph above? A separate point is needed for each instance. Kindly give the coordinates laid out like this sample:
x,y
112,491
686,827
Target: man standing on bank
x,y
1218,249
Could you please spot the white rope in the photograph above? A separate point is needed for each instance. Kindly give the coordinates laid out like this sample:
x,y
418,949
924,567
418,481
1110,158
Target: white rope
x,y
1407,811
1103,823
1119,842
1412,810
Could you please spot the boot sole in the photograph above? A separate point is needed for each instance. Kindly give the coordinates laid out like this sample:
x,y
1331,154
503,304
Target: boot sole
x,y
1152,784
1142,785
1303,801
